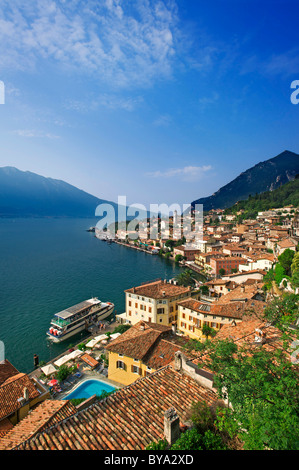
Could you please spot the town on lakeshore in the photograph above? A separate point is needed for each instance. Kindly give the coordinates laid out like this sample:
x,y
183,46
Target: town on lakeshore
x,y
182,358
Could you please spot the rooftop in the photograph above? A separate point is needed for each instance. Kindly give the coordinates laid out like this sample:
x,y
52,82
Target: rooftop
x,y
47,414
12,390
158,290
129,419
152,343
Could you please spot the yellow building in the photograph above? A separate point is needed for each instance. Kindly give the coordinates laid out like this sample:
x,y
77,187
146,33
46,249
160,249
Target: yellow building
x,y
154,302
194,314
141,350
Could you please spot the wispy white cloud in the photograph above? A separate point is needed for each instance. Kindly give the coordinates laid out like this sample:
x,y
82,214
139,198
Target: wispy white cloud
x,y
122,42
187,173
32,133
163,121
105,100
285,64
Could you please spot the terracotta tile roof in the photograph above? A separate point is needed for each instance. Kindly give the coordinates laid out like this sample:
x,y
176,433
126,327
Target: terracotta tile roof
x,y
237,309
227,309
7,370
242,292
158,290
5,426
243,334
144,341
286,243
162,352
129,419
47,414
89,360
197,305
13,389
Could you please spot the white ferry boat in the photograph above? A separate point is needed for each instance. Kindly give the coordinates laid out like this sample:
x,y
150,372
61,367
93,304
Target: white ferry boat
x,y
78,318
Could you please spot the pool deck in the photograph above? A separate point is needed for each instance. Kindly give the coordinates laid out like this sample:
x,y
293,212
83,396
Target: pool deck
x,y
87,373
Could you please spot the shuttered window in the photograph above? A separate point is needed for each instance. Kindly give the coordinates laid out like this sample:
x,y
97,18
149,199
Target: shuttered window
x,y
121,365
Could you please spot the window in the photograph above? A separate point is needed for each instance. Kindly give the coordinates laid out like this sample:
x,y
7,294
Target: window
x,y
136,370
120,365
150,310
120,355
130,303
160,310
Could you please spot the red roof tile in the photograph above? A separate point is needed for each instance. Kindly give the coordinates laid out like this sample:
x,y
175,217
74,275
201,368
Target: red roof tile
x,y
13,389
47,414
129,419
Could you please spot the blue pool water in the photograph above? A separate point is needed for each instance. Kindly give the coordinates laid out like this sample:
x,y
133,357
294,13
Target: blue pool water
x,y
89,388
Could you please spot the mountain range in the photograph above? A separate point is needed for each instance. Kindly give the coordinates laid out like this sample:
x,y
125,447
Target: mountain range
x,y
265,176
26,194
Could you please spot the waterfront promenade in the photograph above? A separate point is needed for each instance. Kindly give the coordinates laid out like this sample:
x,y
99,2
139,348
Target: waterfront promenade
x,y
86,373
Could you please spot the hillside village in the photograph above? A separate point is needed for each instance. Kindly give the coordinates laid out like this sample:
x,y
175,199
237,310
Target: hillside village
x,y
161,356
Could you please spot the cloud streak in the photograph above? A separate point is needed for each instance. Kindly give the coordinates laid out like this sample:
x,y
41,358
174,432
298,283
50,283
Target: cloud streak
x,y
187,173
122,43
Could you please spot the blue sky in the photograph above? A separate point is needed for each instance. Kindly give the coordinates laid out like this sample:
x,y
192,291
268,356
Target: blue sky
x,y
160,101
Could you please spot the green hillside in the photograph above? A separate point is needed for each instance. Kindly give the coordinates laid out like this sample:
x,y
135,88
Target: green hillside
x,y
280,197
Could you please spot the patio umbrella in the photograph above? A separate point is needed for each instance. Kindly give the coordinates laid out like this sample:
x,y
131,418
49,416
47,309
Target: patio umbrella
x,y
48,369
75,354
91,343
61,361
53,382
114,336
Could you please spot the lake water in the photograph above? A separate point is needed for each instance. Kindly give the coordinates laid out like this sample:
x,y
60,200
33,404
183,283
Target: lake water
x,y
51,264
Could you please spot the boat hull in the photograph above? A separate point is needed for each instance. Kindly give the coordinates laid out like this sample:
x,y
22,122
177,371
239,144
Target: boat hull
x,y
79,328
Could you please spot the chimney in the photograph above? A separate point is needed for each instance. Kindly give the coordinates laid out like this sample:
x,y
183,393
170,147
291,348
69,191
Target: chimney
x,y
26,394
134,290
171,426
242,289
142,326
163,293
260,336
173,328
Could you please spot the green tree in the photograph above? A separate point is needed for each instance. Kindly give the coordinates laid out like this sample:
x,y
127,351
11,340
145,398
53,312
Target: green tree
x,y
285,259
122,328
186,278
221,271
283,313
295,264
208,331
262,388
279,273
194,440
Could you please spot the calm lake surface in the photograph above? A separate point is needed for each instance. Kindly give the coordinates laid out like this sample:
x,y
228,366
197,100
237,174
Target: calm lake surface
x,y
51,264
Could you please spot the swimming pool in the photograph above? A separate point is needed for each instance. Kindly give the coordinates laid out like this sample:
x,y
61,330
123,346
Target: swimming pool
x,y
88,388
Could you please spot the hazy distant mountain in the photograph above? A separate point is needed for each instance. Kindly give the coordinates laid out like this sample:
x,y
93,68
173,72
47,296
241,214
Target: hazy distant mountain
x,y
26,194
264,176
